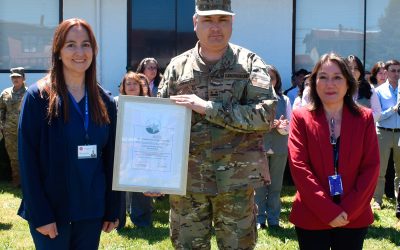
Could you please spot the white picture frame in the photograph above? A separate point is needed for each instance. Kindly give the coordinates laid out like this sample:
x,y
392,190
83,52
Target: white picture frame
x,y
151,145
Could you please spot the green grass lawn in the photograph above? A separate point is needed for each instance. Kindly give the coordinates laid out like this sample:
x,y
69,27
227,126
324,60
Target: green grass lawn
x,y
14,232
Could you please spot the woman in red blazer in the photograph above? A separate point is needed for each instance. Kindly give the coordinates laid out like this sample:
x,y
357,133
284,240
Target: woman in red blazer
x,y
334,160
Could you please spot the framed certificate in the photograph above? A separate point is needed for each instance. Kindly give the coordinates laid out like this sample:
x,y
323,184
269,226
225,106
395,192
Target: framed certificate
x,y
151,145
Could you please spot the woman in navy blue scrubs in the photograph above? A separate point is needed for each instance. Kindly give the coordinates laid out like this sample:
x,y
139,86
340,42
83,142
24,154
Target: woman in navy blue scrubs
x,y
66,137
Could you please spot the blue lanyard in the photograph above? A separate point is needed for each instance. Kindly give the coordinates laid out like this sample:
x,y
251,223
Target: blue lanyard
x,y
334,143
336,157
84,118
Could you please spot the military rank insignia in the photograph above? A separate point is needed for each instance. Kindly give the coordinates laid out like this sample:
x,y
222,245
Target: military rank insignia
x,y
260,80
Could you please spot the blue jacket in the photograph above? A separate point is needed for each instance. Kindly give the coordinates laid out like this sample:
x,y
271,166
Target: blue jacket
x,y
56,186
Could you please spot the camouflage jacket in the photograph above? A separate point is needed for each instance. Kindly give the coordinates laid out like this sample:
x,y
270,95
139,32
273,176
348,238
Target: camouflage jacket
x,y
10,104
226,144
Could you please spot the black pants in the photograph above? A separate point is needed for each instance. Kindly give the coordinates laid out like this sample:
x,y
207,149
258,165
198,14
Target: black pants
x,y
140,209
80,235
398,203
337,238
389,178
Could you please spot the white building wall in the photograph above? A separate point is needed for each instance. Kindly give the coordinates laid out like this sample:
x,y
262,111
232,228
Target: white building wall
x,y
109,22
265,27
114,43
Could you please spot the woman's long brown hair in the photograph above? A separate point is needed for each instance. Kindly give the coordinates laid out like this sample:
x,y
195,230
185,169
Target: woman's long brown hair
x,y
54,84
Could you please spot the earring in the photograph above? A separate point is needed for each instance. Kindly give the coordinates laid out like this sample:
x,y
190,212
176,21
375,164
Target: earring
x,y
59,58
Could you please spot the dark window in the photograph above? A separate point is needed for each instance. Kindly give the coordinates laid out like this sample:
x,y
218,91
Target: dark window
x,y
368,29
159,28
26,32
327,26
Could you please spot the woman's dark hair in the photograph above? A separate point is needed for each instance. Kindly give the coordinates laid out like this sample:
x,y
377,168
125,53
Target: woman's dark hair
x,y
303,85
145,83
135,77
142,65
364,88
278,85
351,83
375,70
54,84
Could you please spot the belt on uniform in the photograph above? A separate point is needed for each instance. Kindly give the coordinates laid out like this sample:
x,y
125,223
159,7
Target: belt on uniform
x,y
390,129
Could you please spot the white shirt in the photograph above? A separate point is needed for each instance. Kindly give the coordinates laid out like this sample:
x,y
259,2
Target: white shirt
x,y
304,101
375,105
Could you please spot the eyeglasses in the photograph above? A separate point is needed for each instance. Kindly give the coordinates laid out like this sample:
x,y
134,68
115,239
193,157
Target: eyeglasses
x,y
394,71
151,68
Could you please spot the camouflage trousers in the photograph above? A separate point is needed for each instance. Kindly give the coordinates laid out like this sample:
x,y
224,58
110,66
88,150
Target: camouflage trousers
x,y
12,151
233,215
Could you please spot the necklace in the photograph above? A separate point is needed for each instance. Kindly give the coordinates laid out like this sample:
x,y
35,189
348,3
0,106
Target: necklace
x,y
334,117
332,137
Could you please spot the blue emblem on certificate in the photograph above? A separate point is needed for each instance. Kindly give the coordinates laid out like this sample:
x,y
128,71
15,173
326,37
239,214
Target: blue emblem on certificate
x,y
153,126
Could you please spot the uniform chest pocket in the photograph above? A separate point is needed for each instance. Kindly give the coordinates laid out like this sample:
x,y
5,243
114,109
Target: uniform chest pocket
x,y
186,87
226,90
14,104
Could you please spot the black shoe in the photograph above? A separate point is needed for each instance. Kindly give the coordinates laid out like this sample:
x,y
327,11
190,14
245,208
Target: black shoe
x,y
261,226
274,226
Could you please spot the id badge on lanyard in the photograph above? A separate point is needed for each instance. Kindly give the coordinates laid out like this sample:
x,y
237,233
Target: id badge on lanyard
x,y
335,181
85,151
335,184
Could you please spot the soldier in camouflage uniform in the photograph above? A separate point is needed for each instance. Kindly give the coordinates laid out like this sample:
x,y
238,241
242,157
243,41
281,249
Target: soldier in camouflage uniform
x,y
10,102
228,89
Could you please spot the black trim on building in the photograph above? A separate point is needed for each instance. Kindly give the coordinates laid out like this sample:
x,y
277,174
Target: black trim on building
x,y
294,36
365,33
128,33
60,11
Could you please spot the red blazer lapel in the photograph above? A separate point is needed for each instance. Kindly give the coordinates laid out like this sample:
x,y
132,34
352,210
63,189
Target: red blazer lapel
x,y
323,134
348,131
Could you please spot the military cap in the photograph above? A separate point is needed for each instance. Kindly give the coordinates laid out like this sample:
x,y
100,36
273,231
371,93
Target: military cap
x,y
19,72
213,7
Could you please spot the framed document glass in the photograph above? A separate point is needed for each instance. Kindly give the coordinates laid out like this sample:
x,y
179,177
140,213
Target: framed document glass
x,y
151,145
